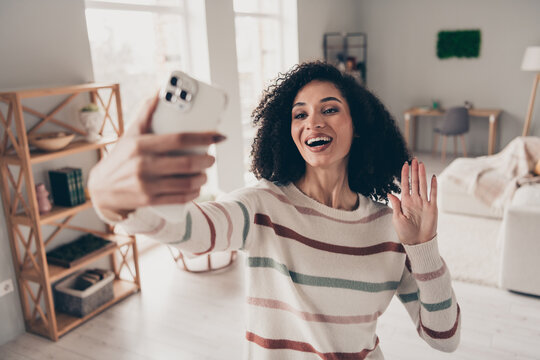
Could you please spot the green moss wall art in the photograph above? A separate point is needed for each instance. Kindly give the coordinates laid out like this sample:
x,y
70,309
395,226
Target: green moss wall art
x,y
458,43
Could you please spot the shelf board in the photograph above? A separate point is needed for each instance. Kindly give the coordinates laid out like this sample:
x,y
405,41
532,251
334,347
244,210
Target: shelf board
x,y
56,213
65,322
73,148
58,272
58,90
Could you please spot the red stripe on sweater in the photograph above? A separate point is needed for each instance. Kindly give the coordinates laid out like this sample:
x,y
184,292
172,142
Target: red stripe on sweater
x,y
309,211
305,347
229,221
212,233
280,230
336,319
431,275
442,334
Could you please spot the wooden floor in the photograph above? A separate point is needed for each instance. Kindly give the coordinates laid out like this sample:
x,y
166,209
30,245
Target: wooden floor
x,y
186,316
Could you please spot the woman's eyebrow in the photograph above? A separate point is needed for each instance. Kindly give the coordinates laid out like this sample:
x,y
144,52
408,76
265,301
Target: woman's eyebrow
x,y
330,98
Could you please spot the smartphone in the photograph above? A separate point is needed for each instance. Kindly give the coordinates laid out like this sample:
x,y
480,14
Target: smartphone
x,y
186,105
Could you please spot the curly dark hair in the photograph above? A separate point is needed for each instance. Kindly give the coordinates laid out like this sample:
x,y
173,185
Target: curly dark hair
x,y
378,150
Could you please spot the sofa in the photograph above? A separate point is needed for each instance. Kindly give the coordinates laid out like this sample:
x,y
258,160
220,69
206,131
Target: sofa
x,y
520,256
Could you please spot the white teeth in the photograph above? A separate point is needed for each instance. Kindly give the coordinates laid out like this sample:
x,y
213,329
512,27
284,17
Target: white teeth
x,y
323,138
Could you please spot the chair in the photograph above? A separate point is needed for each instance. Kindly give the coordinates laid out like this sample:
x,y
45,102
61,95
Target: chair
x,y
455,123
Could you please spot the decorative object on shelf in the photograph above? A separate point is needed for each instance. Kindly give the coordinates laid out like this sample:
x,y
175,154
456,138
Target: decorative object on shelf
x,y
458,43
348,52
51,141
92,120
77,251
69,298
67,186
435,105
468,105
531,62
42,195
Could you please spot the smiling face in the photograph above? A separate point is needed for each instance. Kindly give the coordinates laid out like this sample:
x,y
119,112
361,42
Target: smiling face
x,y
321,126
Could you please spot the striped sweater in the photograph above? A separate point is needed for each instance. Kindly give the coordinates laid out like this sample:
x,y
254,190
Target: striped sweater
x,y
317,277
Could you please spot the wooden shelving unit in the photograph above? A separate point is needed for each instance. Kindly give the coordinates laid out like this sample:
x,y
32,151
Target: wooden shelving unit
x,y
35,276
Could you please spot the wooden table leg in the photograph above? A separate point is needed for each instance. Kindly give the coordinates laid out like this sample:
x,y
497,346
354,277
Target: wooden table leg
x,y
407,130
492,134
414,133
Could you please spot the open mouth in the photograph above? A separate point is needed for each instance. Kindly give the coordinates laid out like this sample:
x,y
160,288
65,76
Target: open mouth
x,y
318,141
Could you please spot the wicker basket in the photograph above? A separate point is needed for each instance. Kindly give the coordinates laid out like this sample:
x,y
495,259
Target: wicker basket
x,y
81,303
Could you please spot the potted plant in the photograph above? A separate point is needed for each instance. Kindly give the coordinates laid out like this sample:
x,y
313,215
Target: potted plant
x,y
91,119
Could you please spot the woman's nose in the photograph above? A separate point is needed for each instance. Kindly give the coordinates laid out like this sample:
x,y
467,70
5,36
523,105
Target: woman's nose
x,y
316,122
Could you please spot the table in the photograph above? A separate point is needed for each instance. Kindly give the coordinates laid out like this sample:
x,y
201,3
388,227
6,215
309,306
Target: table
x,y
411,114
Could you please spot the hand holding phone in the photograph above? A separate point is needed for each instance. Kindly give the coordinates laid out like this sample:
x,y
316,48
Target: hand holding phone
x,y
186,105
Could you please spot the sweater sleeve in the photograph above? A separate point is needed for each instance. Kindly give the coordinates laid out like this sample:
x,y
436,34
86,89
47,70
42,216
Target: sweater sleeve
x,y
205,227
426,292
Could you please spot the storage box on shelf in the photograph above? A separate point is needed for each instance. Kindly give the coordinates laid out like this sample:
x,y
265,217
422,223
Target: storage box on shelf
x,y
35,276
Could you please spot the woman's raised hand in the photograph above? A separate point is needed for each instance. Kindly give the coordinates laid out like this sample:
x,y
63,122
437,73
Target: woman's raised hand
x,y
141,171
415,216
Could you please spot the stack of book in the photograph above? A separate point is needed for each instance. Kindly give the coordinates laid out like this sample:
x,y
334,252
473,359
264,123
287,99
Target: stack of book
x,y
67,186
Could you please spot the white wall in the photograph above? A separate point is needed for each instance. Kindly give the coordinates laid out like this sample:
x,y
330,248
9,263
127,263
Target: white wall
x,y
37,51
316,17
404,71
224,72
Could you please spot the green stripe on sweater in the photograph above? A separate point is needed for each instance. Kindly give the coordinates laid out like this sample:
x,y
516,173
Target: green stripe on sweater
x,y
321,281
438,306
405,298
246,223
187,234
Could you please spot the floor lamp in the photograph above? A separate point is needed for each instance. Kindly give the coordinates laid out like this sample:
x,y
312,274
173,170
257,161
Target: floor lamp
x,y
531,62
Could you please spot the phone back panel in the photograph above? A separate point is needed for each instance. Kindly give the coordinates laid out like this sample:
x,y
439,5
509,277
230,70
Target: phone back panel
x,y
201,113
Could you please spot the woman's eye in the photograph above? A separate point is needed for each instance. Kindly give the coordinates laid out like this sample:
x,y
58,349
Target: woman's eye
x,y
330,111
300,116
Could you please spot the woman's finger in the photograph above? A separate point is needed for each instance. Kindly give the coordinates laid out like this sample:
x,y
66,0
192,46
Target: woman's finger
x,y
423,181
166,143
164,199
163,165
433,194
405,180
175,185
414,177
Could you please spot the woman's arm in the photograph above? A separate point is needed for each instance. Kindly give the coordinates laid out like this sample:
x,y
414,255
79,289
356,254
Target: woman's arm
x,y
205,227
426,292
141,171
425,288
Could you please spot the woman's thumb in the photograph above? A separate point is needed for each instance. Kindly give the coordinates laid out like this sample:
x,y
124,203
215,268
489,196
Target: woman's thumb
x,y
396,204
142,123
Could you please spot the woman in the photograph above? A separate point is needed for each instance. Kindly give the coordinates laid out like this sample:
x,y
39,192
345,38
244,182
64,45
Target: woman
x,y
323,259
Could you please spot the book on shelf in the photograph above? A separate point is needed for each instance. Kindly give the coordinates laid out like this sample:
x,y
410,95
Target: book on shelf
x,y
67,186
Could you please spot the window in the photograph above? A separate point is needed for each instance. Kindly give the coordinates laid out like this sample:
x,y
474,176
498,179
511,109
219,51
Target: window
x,y
136,43
263,52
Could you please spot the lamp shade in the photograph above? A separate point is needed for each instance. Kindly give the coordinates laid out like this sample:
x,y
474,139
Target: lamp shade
x,y
531,59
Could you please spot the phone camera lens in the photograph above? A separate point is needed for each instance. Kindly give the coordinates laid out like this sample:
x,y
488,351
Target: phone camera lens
x,y
184,95
174,81
168,96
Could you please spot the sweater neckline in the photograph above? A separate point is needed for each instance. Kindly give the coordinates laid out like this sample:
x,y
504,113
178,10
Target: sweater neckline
x,y
298,197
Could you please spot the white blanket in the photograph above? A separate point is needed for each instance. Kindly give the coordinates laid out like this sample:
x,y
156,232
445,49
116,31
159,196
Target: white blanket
x,y
494,179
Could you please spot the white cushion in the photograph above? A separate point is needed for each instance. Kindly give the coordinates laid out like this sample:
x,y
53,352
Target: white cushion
x,y
453,198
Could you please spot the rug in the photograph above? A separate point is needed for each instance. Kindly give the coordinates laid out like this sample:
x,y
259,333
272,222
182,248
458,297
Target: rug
x,y
470,247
